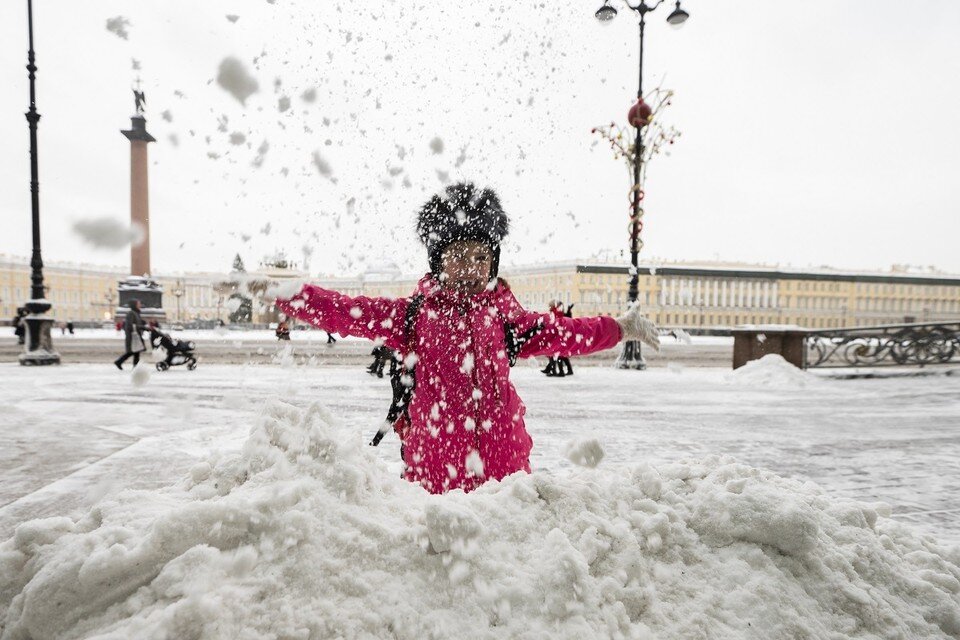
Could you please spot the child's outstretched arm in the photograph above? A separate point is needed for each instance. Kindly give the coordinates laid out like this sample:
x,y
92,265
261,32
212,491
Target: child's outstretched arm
x,y
579,336
360,316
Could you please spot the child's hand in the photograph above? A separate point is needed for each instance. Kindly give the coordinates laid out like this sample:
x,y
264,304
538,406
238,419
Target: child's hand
x,y
636,327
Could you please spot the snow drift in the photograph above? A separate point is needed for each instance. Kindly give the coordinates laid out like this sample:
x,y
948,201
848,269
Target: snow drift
x,y
772,370
305,534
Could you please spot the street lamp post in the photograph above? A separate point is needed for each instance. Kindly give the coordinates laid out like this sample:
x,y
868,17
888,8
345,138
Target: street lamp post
x,y
631,356
38,345
178,292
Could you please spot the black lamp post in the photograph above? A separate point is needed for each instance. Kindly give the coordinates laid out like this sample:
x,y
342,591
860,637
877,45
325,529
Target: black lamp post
x,y
38,345
631,356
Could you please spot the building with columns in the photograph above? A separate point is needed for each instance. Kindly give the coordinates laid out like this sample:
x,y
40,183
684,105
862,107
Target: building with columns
x,y
693,296
720,296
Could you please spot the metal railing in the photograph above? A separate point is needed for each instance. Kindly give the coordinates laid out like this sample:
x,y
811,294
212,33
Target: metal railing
x,y
919,344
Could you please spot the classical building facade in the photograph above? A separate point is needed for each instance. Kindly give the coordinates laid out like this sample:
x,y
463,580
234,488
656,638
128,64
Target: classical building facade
x,y
88,293
718,296
713,296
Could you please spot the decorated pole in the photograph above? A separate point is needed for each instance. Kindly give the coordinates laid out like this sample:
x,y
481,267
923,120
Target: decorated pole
x,y
639,115
647,140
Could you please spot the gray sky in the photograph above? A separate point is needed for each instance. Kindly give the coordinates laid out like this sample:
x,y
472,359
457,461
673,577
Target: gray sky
x,y
814,133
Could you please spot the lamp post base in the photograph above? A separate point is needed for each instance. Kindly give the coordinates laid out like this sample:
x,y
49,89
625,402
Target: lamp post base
x,y
630,356
38,345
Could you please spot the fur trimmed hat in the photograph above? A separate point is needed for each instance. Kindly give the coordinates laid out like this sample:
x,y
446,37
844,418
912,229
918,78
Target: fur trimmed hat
x,y
465,213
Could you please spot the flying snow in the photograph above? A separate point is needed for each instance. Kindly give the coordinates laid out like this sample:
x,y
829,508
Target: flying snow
x,y
261,154
322,165
436,145
108,233
584,452
141,375
118,26
234,78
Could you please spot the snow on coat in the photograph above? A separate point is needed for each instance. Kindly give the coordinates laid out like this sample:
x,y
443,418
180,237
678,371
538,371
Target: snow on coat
x,y
466,419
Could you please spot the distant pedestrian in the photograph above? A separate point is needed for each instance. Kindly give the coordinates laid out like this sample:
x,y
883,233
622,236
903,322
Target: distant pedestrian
x,y
70,327
330,338
564,361
553,368
19,325
380,356
283,330
133,327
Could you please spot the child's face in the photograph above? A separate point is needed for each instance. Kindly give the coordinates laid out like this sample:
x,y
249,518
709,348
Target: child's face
x,y
465,266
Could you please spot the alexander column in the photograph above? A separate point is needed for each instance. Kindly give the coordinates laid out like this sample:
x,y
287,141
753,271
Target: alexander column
x,y
139,285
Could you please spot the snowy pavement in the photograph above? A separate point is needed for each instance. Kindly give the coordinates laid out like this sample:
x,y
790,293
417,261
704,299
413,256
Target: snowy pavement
x,y
72,435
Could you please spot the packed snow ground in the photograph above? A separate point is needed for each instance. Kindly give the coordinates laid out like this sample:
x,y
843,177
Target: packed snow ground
x,y
280,522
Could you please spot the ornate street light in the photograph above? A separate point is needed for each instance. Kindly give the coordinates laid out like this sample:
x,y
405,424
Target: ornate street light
x,y
631,356
677,17
38,346
178,291
606,13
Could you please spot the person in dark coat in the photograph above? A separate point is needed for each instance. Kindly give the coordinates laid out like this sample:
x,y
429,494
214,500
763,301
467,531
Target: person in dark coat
x,y
330,338
555,309
380,355
283,330
19,326
564,361
133,327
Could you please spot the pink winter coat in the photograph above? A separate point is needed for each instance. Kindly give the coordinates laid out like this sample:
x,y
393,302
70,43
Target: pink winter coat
x,y
466,419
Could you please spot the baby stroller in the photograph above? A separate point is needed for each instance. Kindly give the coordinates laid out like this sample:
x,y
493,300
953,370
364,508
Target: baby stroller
x,y
178,351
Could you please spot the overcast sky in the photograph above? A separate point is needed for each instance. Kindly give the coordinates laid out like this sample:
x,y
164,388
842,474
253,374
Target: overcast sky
x,y
817,133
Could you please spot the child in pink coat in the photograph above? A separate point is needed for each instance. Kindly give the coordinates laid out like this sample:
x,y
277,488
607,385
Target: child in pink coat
x,y
464,421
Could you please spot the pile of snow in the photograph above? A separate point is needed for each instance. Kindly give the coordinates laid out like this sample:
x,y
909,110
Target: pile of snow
x,y
305,534
773,371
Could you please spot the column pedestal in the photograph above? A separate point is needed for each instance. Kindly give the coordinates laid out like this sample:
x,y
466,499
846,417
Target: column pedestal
x,y
38,345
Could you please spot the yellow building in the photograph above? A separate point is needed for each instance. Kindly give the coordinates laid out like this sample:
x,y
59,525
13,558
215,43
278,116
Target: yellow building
x,y
694,296
673,295
79,292
88,293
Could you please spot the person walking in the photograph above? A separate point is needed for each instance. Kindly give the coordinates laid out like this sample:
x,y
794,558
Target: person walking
x,y
380,355
331,339
564,361
554,368
19,326
133,327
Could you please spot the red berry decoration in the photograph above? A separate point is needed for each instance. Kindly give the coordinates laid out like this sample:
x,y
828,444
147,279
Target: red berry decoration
x,y
640,114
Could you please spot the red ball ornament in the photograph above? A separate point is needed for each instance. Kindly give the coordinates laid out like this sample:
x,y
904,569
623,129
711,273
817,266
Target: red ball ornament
x,y
639,114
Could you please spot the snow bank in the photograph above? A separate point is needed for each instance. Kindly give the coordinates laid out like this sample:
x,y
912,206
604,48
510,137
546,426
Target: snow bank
x,y
773,371
305,534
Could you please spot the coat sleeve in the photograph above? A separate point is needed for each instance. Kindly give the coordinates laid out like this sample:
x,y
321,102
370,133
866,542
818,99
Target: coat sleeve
x,y
561,335
360,316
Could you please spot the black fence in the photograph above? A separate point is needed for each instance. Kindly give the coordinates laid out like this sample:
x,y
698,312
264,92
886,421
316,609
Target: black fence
x,y
918,344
